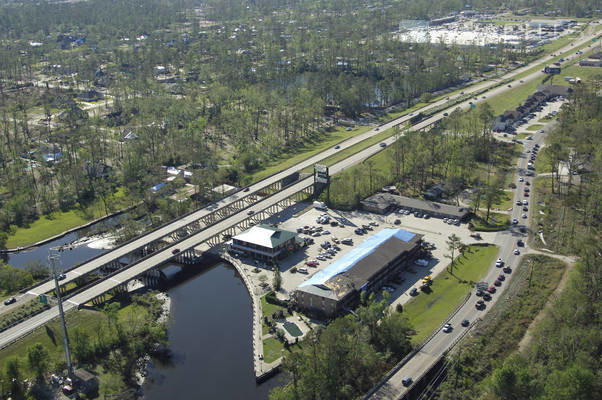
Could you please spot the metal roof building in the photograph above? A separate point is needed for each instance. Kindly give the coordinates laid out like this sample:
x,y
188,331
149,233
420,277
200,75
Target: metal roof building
x,y
365,268
264,241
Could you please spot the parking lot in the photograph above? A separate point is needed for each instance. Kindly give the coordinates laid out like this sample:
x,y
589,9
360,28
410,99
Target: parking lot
x,y
435,231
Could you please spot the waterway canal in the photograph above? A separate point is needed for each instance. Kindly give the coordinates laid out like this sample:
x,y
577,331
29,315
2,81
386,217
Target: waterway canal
x,y
211,341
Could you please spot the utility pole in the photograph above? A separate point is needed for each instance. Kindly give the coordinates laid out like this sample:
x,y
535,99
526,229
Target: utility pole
x,y
54,259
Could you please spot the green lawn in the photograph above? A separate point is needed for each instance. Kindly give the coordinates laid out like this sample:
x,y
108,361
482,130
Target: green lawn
x,y
268,308
505,202
343,154
45,227
587,74
534,127
273,349
305,150
51,337
511,98
521,136
428,310
497,222
60,221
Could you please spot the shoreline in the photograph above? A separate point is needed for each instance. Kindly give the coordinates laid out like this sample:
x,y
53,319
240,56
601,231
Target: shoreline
x,y
142,363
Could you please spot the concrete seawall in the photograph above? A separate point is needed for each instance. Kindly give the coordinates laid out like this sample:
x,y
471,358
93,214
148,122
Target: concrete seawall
x,y
262,370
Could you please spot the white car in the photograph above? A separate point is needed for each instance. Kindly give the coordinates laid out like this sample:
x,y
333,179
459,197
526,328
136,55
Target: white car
x,y
516,252
499,262
524,215
520,179
447,328
514,221
525,202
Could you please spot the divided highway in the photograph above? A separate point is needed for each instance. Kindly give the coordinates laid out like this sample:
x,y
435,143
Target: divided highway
x,y
137,268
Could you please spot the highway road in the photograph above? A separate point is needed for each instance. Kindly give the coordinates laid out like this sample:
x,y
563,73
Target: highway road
x,y
165,254
441,341
173,226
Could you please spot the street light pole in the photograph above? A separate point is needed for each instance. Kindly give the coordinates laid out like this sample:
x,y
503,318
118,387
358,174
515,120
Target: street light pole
x,y
53,259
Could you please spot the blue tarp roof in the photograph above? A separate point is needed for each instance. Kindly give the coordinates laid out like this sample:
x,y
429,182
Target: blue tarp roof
x,y
350,259
156,188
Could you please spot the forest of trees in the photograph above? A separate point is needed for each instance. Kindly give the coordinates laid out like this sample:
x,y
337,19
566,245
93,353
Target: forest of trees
x,y
239,84
346,359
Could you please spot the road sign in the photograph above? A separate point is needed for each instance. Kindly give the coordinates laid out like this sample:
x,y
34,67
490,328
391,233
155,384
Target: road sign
x,y
321,174
43,299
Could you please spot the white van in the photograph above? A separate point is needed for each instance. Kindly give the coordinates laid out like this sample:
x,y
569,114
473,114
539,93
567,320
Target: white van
x,y
302,270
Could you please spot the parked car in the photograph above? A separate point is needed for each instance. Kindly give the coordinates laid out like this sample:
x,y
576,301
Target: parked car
x,y
520,243
507,270
480,304
516,252
514,221
497,283
501,277
491,289
499,262
302,270
486,296
413,292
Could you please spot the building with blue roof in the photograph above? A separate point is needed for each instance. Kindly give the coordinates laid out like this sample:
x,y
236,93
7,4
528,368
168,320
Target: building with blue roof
x,y
367,267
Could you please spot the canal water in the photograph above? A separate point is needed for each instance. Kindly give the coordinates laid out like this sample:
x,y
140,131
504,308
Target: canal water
x,y
210,328
210,337
72,255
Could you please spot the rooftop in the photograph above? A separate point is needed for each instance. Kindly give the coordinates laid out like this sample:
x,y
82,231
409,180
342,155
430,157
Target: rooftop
x,y
265,236
354,269
383,200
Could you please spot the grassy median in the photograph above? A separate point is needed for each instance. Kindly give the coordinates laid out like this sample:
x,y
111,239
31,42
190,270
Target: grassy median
x,y
429,309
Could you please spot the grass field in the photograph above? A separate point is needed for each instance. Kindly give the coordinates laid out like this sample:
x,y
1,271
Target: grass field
x,y
306,150
587,74
428,310
60,221
534,127
273,349
505,202
497,222
45,227
51,337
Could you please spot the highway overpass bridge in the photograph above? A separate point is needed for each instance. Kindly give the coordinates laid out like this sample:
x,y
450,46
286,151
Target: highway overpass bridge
x,y
225,216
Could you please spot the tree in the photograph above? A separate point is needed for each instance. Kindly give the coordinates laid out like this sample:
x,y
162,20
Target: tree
x,y
453,244
13,375
493,193
37,359
277,282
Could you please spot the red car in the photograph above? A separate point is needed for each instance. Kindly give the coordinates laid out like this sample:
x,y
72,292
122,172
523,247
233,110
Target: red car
x,y
491,289
311,264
